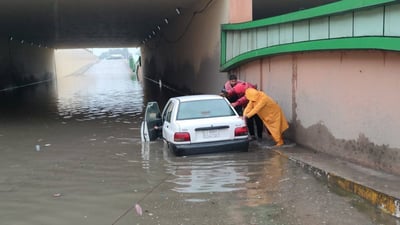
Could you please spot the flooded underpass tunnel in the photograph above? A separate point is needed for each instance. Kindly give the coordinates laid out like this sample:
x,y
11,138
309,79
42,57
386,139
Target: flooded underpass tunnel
x,y
71,153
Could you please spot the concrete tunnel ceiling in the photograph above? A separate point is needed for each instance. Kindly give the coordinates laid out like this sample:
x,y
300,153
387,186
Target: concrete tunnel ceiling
x,y
108,23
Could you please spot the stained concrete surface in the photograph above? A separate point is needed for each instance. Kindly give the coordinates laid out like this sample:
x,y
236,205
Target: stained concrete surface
x,y
91,167
378,187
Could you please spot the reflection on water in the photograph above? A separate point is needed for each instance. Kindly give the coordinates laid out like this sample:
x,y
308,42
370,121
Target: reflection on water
x,y
103,91
31,101
227,172
254,176
265,180
203,175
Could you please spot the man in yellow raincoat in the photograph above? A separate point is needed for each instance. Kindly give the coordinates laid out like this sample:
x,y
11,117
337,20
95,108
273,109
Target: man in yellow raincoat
x,y
269,112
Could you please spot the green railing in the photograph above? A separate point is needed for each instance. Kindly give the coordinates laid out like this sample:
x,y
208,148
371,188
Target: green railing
x,y
347,24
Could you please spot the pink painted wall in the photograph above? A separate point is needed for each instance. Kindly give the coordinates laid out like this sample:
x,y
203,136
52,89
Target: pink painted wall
x,y
343,103
277,81
247,73
240,11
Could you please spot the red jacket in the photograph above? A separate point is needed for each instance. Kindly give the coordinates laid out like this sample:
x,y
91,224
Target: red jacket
x,y
240,90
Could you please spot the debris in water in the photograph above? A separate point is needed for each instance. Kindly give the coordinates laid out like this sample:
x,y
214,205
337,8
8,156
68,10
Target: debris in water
x,y
56,195
138,209
286,179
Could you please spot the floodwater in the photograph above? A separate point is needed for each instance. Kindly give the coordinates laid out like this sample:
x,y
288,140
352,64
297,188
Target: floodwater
x,y
71,153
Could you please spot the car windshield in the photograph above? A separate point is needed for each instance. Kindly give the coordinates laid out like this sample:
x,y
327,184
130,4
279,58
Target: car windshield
x,y
204,109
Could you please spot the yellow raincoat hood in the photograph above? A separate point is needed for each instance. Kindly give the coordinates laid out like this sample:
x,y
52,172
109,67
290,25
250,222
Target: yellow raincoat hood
x,y
252,94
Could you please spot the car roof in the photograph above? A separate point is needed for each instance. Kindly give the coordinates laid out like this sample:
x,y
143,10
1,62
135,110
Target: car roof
x,y
187,98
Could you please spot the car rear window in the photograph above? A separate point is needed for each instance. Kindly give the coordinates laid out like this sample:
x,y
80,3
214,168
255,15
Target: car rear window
x,y
204,109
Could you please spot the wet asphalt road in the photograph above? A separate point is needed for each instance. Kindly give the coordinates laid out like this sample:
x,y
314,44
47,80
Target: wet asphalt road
x,y
70,153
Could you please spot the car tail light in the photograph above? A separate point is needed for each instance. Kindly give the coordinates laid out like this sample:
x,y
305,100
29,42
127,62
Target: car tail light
x,y
241,131
181,136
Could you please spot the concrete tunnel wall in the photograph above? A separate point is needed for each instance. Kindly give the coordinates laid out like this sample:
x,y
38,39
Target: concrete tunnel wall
x,y
344,103
24,63
188,60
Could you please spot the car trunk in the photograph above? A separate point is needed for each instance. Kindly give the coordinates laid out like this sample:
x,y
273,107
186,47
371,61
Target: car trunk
x,y
210,129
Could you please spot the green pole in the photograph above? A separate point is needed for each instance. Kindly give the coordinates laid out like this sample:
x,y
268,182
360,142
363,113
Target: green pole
x,y
131,64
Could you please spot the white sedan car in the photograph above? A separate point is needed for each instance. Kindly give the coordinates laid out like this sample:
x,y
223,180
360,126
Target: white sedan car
x,y
196,124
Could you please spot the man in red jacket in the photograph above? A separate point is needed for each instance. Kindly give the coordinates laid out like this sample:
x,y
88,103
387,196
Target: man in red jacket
x,y
228,86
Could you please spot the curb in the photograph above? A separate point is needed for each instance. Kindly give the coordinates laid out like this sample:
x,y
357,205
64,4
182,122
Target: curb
x,y
385,202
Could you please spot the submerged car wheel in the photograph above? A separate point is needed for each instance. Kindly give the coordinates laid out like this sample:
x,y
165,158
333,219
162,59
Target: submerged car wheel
x,y
246,147
177,153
